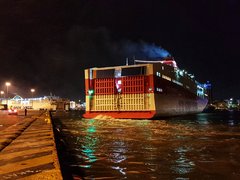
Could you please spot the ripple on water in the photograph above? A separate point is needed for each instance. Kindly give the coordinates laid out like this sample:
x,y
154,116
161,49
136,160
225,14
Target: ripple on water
x,y
161,149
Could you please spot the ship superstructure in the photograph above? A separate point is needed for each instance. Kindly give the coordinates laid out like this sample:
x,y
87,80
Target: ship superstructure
x,y
144,90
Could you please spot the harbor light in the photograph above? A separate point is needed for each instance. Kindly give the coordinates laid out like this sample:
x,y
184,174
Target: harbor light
x,y
90,92
2,93
32,91
7,85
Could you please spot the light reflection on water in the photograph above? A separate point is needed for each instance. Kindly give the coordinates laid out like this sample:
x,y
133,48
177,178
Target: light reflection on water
x,y
204,145
183,164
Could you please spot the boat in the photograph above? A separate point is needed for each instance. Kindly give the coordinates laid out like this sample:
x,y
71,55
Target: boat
x,y
144,90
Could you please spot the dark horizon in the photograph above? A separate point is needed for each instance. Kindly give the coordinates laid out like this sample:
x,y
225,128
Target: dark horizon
x,y
47,45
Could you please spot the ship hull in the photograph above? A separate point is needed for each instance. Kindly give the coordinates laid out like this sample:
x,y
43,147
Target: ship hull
x,y
176,100
141,92
121,115
166,106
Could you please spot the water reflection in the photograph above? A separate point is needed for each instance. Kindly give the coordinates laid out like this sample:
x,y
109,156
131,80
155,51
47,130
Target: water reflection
x,y
118,151
177,148
121,170
89,143
118,156
202,119
183,165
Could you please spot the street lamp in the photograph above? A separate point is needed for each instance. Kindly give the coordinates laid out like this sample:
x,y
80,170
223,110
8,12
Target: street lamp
x,y
2,93
7,84
32,91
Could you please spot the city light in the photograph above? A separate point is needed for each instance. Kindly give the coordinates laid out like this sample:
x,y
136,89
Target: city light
x,y
2,93
7,85
32,90
91,91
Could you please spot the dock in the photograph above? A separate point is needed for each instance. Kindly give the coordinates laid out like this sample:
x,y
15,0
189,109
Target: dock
x,y
28,149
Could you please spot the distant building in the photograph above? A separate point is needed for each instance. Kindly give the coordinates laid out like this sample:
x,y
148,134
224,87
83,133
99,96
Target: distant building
x,y
77,106
72,105
46,102
232,104
220,105
227,104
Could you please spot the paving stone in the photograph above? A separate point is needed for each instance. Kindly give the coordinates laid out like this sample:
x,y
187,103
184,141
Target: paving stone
x,y
28,150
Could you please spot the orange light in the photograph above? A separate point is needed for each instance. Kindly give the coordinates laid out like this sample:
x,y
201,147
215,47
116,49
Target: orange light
x,y
8,84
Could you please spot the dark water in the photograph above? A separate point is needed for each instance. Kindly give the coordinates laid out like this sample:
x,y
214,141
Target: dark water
x,y
202,146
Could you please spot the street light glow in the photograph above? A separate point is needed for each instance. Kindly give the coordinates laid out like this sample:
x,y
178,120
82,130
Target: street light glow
x,y
32,90
8,84
2,93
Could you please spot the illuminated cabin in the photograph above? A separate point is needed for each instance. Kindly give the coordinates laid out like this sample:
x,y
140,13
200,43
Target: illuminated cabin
x,y
144,90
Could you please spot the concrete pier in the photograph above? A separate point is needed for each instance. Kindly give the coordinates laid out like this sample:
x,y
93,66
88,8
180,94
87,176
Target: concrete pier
x,y
28,150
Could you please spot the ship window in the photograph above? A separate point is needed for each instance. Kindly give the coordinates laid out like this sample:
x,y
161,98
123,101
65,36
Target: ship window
x,y
118,72
177,82
166,77
109,73
181,72
133,71
158,74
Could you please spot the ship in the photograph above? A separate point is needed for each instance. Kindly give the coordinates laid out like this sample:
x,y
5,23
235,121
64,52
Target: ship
x,y
145,90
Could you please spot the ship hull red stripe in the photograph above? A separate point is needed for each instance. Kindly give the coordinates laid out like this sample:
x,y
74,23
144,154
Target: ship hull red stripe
x,y
122,115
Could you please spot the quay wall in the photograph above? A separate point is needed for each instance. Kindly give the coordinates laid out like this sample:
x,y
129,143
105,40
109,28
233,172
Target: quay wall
x,y
28,149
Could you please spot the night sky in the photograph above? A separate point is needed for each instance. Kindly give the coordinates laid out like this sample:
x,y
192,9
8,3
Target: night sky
x,y
47,44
